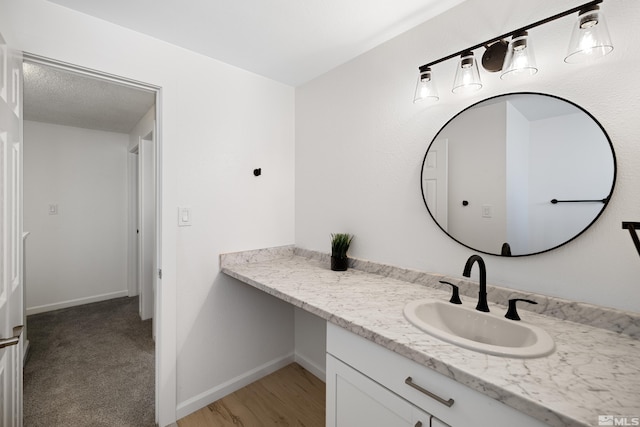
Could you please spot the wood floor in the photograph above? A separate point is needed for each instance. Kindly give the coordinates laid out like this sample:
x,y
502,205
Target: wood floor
x,y
289,397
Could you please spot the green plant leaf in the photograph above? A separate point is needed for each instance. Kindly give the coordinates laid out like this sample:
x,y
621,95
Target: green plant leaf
x,y
340,244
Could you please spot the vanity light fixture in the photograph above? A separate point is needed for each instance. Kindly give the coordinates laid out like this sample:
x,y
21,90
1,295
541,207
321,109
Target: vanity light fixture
x,y
467,75
520,59
590,39
425,89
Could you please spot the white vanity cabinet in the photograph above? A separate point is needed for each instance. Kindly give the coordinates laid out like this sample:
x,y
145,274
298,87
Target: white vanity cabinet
x,y
370,386
359,401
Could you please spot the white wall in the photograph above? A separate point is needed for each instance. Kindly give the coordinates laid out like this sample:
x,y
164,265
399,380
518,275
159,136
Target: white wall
x,y
310,342
566,135
79,255
517,157
143,128
360,119
477,174
218,124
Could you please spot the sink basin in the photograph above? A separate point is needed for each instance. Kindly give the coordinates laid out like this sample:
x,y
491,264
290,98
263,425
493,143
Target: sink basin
x,y
484,332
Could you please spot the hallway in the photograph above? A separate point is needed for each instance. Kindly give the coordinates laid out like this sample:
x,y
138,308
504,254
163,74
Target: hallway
x,y
90,365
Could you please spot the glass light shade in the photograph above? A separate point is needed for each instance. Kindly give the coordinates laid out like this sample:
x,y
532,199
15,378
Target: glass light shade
x,y
425,88
520,60
590,38
467,75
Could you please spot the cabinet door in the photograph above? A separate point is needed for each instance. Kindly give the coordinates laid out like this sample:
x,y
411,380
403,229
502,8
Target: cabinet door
x,y
354,400
390,369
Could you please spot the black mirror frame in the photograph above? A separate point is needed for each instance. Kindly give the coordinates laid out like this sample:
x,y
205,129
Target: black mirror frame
x,y
606,200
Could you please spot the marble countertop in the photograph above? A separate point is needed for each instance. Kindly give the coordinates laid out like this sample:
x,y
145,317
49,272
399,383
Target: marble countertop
x,y
593,371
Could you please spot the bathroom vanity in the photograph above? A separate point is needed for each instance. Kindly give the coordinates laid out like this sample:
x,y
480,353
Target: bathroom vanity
x,y
381,367
370,385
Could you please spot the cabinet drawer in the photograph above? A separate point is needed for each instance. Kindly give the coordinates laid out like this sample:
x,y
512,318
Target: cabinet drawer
x,y
392,370
355,400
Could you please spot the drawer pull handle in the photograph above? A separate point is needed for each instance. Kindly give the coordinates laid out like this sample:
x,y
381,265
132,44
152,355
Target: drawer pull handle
x,y
447,403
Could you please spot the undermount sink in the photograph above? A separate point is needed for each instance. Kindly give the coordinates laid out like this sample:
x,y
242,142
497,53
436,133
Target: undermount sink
x,y
484,332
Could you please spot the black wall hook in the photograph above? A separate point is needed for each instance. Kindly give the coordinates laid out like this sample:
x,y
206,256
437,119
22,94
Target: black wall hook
x,y
257,172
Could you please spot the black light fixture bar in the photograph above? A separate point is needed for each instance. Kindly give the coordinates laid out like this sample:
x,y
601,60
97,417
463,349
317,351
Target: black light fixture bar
x,y
503,36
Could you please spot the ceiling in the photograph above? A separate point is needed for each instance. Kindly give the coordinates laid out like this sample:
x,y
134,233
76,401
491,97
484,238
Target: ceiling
x,y
290,41
53,95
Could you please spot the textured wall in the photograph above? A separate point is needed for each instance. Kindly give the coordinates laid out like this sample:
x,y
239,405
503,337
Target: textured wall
x,y
360,142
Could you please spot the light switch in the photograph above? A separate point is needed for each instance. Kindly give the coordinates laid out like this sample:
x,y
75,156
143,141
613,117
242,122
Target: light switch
x,y
53,209
184,216
487,211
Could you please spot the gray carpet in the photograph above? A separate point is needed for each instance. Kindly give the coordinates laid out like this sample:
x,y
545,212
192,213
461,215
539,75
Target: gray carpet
x,y
91,365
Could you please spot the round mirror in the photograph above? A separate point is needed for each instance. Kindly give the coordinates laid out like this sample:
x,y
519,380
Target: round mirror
x,y
518,174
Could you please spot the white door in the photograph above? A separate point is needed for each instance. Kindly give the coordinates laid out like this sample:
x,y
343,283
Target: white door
x,y
147,224
11,296
435,181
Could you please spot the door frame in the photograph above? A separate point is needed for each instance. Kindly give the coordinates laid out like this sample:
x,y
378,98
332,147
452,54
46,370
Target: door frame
x,y
165,354
133,284
146,217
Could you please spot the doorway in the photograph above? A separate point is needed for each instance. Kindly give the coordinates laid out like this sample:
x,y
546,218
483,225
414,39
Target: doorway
x,y
101,98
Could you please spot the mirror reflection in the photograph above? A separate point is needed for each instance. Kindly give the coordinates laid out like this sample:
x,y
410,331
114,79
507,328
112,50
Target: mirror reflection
x,y
491,173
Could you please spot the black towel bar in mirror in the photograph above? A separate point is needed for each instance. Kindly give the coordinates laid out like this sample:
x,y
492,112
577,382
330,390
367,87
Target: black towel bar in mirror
x,y
605,200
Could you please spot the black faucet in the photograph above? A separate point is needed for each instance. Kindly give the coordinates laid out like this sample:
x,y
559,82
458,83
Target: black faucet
x,y
512,313
455,296
482,294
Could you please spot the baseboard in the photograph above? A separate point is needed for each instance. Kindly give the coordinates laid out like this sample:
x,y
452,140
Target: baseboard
x,y
74,302
209,396
307,364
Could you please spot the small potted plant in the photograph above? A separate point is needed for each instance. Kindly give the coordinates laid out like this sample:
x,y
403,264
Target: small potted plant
x,y
339,246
